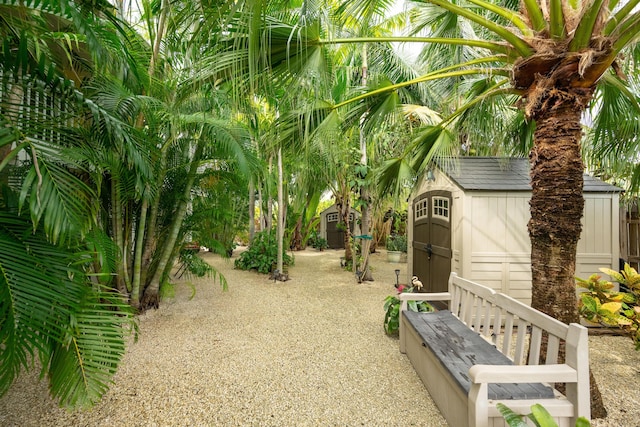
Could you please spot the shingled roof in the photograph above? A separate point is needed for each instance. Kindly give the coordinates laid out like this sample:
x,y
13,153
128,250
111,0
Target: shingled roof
x,y
504,174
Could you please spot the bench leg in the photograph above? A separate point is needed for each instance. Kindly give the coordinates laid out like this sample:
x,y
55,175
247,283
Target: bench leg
x,y
478,405
403,338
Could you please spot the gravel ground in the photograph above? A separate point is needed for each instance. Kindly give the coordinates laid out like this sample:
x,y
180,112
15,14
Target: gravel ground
x,y
307,352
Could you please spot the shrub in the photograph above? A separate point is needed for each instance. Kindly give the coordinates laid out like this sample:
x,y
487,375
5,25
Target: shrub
x,y
195,265
320,243
262,254
397,242
317,242
599,303
392,306
539,416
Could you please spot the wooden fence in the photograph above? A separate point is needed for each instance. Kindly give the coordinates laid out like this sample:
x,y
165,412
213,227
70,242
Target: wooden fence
x,y
630,234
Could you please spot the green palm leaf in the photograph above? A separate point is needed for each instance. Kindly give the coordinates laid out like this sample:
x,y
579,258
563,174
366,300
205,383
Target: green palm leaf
x,y
84,361
47,307
58,198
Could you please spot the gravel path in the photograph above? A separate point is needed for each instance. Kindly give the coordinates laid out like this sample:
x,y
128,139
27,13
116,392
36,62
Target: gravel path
x,y
307,352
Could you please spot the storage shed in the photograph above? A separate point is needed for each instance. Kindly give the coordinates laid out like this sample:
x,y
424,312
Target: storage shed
x,y
470,215
329,220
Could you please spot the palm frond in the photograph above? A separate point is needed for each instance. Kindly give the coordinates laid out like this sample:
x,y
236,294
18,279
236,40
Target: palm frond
x,y
46,305
58,198
83,362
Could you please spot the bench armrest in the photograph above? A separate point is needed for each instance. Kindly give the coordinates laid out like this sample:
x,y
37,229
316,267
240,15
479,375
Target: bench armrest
x,y
425,296
496,374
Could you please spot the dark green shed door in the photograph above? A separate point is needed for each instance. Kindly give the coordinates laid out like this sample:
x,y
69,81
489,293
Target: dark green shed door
x,y
432,240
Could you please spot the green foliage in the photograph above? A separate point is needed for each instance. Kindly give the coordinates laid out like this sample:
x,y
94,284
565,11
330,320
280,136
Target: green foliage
x,y
194,264
398,221
392,306
599,303
262,254
539,416
167,290
315,241
220,212
397,242
50,309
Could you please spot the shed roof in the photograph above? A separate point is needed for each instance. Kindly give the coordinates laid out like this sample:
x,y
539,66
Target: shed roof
x,y
334,208
504,174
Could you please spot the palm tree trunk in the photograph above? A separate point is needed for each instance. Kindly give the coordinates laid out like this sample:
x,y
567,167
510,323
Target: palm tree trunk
x,y
269,218
252,210
365,217
151,238
261,217
151,297
134,300
556,210
143,257
365,197
557,205
343,203
117,225
280,226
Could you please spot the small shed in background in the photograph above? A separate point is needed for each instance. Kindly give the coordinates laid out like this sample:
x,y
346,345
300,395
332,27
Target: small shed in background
x,y
470,216
329,229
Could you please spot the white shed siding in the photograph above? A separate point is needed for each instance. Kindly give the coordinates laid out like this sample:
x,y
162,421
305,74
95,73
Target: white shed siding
x,y
500,249
599,244
490,240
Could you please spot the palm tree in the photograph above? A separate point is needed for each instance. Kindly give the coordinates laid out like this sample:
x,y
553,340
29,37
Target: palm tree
x,y
56,260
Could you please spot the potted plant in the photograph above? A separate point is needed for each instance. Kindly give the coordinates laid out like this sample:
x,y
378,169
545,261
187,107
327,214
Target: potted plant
x,y
392,309
396,245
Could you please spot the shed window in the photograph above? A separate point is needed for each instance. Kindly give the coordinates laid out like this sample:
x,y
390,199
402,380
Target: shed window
x,y
441,208
422,209
332,217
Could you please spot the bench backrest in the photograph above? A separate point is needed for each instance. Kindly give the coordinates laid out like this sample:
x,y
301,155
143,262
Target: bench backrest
x,y
515,328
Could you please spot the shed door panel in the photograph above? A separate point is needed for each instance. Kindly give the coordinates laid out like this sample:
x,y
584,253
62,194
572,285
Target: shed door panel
x,y
335,237
432,240
421,237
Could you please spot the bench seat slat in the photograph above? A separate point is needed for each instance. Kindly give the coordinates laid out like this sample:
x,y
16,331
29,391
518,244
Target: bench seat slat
x,y
458,348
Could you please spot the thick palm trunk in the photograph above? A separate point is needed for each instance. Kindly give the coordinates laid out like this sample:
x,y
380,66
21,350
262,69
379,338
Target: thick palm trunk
x,y
557,204
556,210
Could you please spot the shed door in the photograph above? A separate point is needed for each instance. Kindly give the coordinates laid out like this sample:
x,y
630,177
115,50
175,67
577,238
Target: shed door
x,y
335,237
432,240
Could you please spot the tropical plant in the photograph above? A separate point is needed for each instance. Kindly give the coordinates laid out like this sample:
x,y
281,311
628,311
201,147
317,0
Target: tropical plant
x,y
600,303
58,132
103,141
392,305
192,264
539,416
219,212
51,309
262,254
317,242
397,243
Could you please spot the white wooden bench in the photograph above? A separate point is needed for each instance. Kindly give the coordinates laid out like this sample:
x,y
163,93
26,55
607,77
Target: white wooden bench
x,y
486,349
